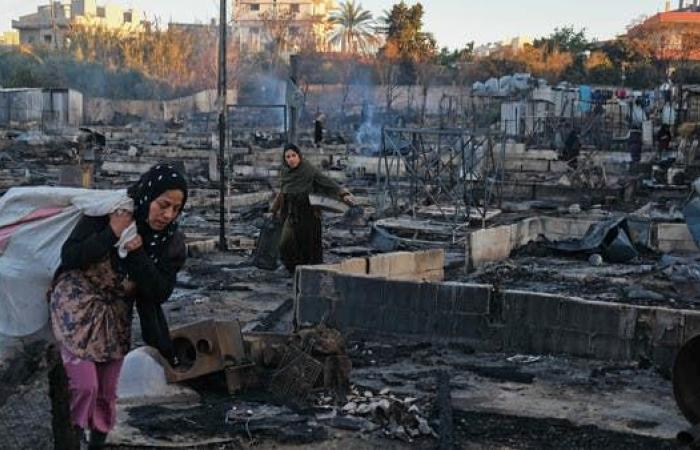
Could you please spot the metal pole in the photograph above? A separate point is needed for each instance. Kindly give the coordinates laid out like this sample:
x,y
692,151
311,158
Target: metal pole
x,y
293,112
222,124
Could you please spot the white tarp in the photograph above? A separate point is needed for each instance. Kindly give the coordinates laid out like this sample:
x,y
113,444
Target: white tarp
x,y
32,253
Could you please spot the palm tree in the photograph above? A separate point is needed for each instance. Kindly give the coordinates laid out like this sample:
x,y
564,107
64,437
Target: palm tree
x,y
353,28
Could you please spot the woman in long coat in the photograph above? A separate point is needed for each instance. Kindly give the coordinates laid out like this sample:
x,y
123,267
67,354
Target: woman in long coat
x,y
301,242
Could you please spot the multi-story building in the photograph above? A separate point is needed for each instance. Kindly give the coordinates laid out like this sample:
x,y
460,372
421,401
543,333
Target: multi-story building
x,y
672,34
50,24
516,44
289,23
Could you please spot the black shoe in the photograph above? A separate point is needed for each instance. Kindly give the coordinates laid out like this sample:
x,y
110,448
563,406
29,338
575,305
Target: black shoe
x,y
97,439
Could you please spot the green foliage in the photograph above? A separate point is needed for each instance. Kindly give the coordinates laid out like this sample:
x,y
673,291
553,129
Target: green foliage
x,y
353,28
405,38
564,39
92,79
456,57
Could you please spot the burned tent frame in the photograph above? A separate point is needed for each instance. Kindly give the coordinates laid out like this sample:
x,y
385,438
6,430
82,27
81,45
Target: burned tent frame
x,y
454,172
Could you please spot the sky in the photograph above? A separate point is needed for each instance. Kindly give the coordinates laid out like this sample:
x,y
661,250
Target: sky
x,y
453,22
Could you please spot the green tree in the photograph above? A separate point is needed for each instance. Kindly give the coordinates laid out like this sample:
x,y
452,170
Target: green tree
x,y
405,38
353,28
564,39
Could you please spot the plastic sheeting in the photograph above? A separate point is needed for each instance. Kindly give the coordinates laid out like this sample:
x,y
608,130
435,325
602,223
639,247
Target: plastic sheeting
x,y
610,237
32,250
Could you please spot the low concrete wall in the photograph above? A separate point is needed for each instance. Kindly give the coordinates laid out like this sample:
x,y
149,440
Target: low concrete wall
x,y
496,244
346,296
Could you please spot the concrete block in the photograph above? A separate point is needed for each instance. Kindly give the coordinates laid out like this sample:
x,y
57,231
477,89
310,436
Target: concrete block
x,y
470,326
667,328
607,347
595,318
314,309
307,280
691,327
667,246
466,298
555,228
489,245
531,309
673,232
354,265
392,263
199,248
429,260
526,231
571,342
362,292
410,295
434,276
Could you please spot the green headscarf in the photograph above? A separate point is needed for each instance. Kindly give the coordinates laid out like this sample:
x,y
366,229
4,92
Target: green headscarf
x,y
305,178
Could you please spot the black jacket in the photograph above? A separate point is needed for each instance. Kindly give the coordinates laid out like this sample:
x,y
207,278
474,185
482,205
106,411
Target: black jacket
x,y
92,239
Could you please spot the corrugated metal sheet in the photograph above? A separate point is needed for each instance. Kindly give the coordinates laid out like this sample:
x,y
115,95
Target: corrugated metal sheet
x,y
48,107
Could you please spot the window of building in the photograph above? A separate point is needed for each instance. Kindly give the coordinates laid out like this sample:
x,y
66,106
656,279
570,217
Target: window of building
x,y
294,8
128,17
294,31
255,6
254,30
47,39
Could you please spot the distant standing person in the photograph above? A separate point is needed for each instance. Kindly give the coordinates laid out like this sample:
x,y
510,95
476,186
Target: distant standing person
x,y
664,138
318,128
301,233
572,148
634,145
94,291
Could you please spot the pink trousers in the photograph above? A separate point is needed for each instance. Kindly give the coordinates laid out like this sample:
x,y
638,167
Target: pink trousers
x,y
93,391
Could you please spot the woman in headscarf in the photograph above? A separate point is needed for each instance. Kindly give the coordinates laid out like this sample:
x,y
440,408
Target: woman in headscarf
x,y
301,243
95,288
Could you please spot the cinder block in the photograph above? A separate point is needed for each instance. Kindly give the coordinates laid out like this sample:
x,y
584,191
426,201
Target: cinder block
x,y
691,327
667,328
592,317
361,291
531,309
472,298
611,347
314,309
353,265
490,245
307,281
470,326
673,232
575,343
392,264
526,231
429,260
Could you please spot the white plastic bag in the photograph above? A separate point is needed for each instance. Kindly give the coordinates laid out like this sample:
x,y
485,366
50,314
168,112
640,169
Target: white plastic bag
x,y
32,253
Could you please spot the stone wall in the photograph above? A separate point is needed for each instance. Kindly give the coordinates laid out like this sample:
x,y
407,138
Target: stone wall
x,y
365,305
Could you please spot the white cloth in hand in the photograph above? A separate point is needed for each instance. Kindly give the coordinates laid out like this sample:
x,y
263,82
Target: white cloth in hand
x,y
128,234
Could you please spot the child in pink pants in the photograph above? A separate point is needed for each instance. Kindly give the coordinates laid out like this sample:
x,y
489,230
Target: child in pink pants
x,y
93,388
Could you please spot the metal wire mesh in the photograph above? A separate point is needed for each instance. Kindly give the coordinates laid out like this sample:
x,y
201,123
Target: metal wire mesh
x,y
297,374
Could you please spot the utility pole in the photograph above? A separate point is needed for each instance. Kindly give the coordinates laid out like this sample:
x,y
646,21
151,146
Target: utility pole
x,y
222,91
293,109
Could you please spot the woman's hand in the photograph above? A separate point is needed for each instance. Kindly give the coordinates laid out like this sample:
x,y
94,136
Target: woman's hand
x,y
119,221
349,199
134,244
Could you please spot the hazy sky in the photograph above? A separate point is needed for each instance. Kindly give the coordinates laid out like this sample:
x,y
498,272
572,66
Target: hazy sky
x,y
454,22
